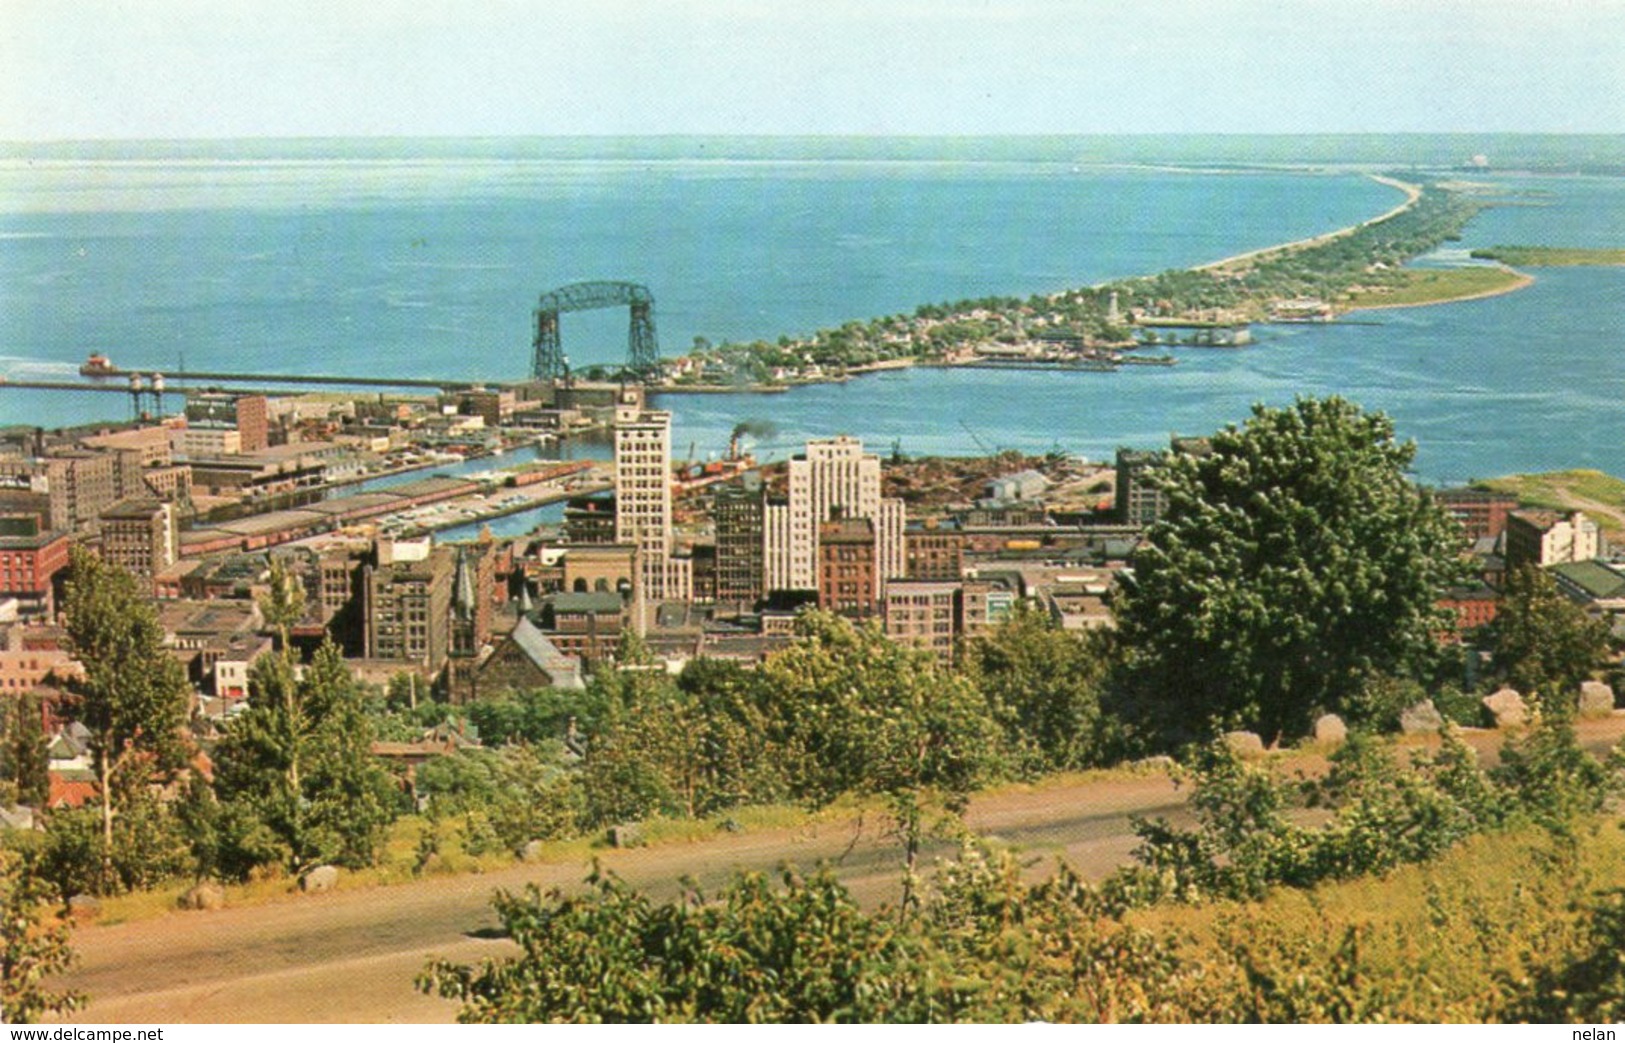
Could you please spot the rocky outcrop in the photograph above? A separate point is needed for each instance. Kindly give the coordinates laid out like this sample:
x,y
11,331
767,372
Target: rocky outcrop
x,y
204,896
1506,708
1244,744
626,834
1596,699
1330,729
1421,719
322,878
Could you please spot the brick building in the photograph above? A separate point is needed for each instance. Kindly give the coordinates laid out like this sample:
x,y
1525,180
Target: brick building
x,y
847,567
933,549
32,563
1472,606
1482,514
587,626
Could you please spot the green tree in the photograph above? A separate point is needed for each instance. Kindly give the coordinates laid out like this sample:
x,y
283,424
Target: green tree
x,y
73,856
24,760
283,604
1294,560
31,950
300,761
859,713
1044,687
538,715
1544,643
688,749
133,695
755,953
521,791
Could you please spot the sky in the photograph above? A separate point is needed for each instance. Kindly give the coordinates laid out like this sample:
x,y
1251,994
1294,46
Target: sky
x,y
88,69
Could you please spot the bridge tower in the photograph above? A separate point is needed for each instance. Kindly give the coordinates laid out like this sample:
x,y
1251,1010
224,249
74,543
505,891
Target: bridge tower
x,y
643,349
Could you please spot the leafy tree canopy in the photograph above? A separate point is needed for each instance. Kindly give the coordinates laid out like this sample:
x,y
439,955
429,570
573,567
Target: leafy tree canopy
x,y
1544,643
133,695
1293,559
30,949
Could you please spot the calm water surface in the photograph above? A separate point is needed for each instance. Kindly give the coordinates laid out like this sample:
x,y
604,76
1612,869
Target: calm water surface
x,y
430,268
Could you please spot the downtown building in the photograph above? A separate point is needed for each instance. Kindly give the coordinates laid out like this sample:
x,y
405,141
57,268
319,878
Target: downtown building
x,y
643,512
833,480
738,510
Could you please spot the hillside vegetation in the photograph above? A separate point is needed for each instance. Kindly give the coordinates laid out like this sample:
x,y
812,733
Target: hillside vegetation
x,y
1432,891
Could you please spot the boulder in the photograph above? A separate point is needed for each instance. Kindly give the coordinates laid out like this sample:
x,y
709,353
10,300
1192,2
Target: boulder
x,y
1422,718
204,896
532,851
626,834
322,878
1330,729
1506,708
84,907
1596,699
1244,744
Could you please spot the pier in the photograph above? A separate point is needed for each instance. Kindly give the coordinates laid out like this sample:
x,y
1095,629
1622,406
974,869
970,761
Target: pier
x,y
115,373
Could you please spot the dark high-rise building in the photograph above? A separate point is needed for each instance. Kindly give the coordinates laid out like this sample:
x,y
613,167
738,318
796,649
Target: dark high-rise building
x,y
1138,502
589,519
738,512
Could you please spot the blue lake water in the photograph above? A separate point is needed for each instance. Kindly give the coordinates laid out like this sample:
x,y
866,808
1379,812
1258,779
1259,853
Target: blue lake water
x,y
350,262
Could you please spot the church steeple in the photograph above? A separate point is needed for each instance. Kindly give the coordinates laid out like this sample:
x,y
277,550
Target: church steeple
x,y
464,598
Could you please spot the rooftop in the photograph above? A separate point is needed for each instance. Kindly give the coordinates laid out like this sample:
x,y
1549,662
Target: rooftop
x,y
590,602
1597,579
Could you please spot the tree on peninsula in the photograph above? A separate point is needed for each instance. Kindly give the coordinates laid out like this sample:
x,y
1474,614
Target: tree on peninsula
x,y
1294,561
133,696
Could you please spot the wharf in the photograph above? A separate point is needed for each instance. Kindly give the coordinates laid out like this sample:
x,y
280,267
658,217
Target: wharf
x,y
261,531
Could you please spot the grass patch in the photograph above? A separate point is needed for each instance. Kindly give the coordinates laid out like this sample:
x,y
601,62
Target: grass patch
x,y
1556,490
1550,256
1449,941
399,861
1437,285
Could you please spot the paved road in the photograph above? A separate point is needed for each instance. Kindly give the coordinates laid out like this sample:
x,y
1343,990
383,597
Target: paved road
x,y
352,955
